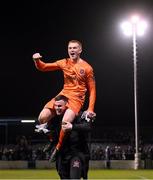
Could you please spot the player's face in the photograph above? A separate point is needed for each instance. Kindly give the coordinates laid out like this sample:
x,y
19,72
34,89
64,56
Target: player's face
x,y
60,107
74,50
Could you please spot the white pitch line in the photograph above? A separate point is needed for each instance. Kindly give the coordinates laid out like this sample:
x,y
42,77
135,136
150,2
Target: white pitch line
x,y
142,177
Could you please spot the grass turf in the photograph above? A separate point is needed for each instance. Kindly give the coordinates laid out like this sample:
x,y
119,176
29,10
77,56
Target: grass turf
x,y
93,174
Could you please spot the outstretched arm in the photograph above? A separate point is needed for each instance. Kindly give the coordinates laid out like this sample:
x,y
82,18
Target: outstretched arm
x,y
83,126
40,65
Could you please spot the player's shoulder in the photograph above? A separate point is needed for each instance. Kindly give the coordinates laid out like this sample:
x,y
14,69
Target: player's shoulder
x,y
62,62
88,68
85,63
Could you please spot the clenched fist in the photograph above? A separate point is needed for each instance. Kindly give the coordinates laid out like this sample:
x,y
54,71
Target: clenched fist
x,y
36,56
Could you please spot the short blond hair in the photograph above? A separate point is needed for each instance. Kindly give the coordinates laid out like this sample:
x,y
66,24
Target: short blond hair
x,y
75,41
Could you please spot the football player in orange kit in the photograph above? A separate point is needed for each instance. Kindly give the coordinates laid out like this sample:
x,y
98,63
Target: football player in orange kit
x,y
78,79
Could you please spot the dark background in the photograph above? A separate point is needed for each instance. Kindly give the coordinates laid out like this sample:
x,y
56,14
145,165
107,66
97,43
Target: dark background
x,y
46,27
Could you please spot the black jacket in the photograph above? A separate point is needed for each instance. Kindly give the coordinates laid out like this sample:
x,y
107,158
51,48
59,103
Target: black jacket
x,y
75,145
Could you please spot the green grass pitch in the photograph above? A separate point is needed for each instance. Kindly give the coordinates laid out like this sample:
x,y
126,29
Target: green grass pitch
x,y
93,174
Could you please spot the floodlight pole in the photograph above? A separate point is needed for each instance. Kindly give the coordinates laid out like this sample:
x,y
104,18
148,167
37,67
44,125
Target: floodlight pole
x,y
137,155
134,28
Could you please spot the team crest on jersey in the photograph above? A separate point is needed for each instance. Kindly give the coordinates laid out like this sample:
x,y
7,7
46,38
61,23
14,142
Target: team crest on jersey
x,y
82,72
76,163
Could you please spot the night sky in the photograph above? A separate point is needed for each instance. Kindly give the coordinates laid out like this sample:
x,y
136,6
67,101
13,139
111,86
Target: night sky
x,y
46,27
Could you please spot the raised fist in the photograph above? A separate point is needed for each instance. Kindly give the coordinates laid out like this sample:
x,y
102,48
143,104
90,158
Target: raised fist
x,y
36,56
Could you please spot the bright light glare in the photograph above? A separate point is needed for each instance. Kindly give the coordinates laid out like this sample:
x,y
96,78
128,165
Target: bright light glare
x,y
127,28
135,24
28,121
135,19
141,28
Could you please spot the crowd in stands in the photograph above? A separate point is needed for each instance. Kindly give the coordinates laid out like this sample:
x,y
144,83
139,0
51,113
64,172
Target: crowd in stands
x,y
120,149
120,152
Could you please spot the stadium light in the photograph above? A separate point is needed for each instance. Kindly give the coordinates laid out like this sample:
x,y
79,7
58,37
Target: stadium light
x,y
135,27
27,121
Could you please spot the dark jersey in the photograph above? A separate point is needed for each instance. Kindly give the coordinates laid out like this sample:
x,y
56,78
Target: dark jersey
x,y
75,146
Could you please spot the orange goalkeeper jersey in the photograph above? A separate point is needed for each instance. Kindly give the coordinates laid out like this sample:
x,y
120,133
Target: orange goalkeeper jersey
x,y
78,78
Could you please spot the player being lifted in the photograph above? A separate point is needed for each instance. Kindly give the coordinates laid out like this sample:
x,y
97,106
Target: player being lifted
x,y
78,79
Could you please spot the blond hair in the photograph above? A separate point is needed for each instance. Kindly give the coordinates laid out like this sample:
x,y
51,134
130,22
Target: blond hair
x,y
75,41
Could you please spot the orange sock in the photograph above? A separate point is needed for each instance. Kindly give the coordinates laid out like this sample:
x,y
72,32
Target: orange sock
x,y
61,139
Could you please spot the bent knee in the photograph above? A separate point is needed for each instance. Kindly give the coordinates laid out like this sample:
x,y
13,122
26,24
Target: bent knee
x,y
69,116
45,115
